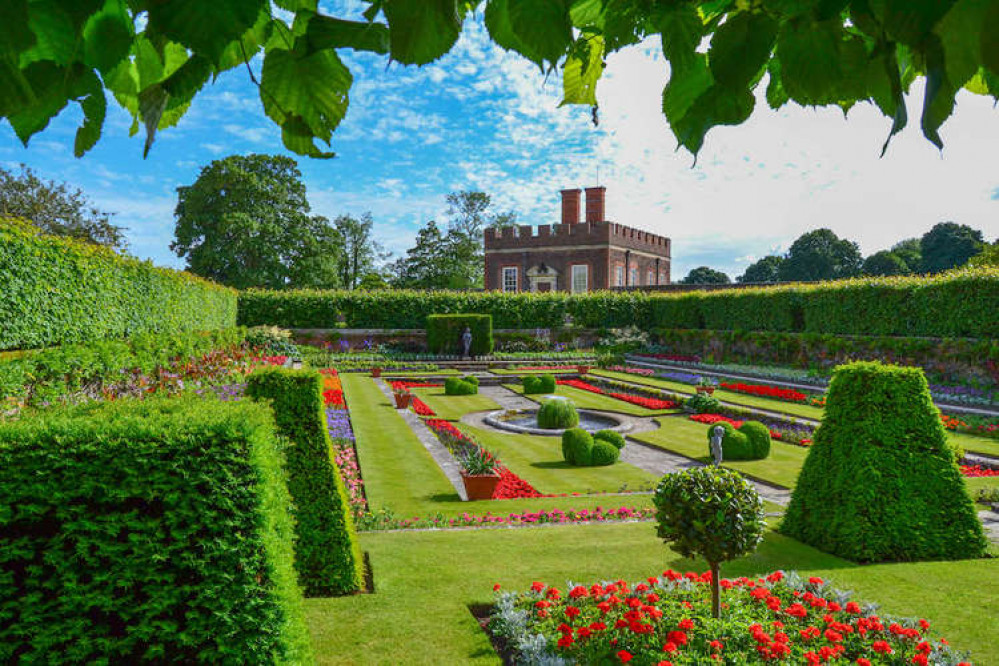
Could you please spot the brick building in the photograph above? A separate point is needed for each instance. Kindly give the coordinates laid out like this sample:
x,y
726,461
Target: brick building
x,y
575,256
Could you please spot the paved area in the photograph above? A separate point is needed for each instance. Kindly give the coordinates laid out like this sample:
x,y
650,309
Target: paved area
x,y
990,520
506,398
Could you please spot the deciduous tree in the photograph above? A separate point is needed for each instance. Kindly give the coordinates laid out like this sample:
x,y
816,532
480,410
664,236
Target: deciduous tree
x,y
705,275
948,245
764,270
820,255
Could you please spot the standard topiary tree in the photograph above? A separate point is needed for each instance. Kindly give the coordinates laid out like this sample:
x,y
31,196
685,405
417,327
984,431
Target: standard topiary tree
x,y
557,413
603,453
577,447
750,441
611,437
881,482
710,512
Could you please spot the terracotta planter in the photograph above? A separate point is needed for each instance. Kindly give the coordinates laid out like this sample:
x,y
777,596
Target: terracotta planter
x,y
582,369
376,372
402,400
480,486
706,389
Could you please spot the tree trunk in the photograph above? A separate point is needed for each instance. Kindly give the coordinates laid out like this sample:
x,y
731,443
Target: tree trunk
x,y
715,591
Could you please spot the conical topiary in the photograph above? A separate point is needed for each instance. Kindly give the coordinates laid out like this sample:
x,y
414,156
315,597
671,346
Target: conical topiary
x,y
881,481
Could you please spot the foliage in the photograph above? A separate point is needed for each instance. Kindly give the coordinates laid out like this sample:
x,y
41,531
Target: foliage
x,y
557,413
705,275
148,531
155,60
603,453
884,262
880,482
763,270
272,340
538,384
820,255
327,553
460,386
577,447
989,256
476,461
444,333
245,222
711,512
949,245
701,403
610,436
56,209
58,291
750,441
360,249
911,252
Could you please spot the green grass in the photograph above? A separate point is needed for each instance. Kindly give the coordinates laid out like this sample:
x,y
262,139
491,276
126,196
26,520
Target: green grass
x,y
589,400
446,372
986,445
425,582
510,371
452,407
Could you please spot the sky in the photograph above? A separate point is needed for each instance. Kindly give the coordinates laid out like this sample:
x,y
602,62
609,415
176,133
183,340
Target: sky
x,y
484,119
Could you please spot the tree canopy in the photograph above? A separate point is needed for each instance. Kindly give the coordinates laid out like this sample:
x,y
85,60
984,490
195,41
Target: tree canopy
x,y
820,255
153,58
949,245
705,275
764,270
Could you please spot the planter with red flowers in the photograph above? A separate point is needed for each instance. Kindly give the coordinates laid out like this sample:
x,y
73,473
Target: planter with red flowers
x,y
376,372
402,399
479,473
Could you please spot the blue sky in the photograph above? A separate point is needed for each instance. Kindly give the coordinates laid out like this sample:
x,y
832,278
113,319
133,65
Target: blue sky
x,y
483,119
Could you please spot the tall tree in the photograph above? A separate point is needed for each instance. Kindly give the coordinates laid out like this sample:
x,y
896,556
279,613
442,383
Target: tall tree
x,y
764,270
468,215
360,249
884,263
245,222
909,251
989,256
57,208
820,255
705,275
948,245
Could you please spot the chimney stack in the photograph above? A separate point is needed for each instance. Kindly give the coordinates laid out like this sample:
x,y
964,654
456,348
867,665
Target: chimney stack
x,y
570,206
595,204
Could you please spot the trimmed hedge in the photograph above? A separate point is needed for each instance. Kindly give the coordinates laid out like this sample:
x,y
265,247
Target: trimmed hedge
x,y
327,553
750,441
462,386
958,304
557,414
603,453
444,333
59,291
881,482
611,437
538,384
147,531
577,447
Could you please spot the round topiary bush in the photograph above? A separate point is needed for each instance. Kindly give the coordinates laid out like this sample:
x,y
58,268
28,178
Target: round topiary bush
x,y
759,438
546,384
577,447
750,441
701,404
611,437
709,512
456,386
557,414
603,453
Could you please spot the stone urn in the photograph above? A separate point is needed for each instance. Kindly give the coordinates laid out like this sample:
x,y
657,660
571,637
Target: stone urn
x,y
376,372
402,400
480,486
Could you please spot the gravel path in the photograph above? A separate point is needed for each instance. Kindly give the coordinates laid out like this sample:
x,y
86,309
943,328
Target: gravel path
x,y
990,520
506,398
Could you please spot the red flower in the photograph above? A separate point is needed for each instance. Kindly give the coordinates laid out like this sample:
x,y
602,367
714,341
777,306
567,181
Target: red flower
x,y
624,656
863,662
670,647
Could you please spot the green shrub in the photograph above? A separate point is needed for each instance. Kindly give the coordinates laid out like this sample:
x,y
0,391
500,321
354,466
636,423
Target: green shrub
x,y
147,531
271,340
546,383
327,553
702,403
603,453
59,291
557,413
880,482
531,385
610,436
444,333
709,512
471,379
577,447
759,438
539,384
744,443
456,386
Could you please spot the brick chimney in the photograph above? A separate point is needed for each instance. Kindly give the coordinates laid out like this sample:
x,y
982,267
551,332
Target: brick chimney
x,y
570,206
595,204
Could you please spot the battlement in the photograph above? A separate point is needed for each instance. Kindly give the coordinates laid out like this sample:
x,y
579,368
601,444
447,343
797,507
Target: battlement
x,y
585,233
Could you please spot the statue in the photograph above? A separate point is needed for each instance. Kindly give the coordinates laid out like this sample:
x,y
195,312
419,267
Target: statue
x,y
466,342
717,434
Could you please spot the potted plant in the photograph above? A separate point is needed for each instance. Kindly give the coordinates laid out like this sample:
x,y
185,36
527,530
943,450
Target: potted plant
x,y
402,398
479,474
582,369
706,385
376,371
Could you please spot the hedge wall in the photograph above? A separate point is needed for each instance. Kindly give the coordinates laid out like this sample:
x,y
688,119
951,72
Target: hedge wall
x,y
327,553
58,290
444,333
153,531
960,304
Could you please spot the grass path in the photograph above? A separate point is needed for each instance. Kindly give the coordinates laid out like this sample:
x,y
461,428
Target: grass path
x,y
452,407
589,400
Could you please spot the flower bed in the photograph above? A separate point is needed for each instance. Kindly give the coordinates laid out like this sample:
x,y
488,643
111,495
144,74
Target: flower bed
x,y
763,390
667,619
641,401
558,368
799,434
975,471
421,408
972,425
386,520
345,456
643,372
676,358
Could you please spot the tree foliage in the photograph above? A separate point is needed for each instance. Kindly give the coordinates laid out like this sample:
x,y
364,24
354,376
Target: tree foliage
x,y
884,262
764,270
705,275
911,252
154,58
360,250
820,255
949,245
57,209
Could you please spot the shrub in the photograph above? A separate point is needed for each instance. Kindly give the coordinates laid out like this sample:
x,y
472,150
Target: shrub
x,y
539,384
577,447
702,404
456,386
557,413
603,453
271,340
327,553
155,530
709,512
546,383
444,333
610,436
58,291
880,482
759,438
752,443
471,379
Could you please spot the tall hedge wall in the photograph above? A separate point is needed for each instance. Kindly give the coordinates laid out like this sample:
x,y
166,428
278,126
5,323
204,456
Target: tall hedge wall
x,y
57,291
959,304
444,333
154,531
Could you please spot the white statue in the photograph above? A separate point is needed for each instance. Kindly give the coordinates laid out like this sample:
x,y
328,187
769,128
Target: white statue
x,y
717,435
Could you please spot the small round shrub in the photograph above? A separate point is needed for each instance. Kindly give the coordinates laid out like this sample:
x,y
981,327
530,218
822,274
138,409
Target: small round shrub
x,y
557,414
471,379
577,447
531,384
759,438
751,441
456,386
603,453
701,404
611,437
546,384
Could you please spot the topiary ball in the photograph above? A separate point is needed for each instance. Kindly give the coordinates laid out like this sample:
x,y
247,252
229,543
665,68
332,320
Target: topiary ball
x,y
611,437
471,379
603,453
456,386
532,385
759,438
738,444
702,404
577,447
557,414
546,384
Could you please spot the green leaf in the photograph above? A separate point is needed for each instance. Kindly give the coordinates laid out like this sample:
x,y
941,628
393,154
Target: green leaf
x,y
582,71
821,63
55,36
961,32
938,98
295,5
148,62
204,27
326,32
17,92
94,107
421,31
718,105
910,21
497,19
682,30
776,95
244,48
684,87
990,39
15,35
587,14
48,82
741,47
540,30
152,104
189,78
107,36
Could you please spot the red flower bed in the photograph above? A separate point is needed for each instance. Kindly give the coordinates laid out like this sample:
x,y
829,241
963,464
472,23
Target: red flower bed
x,y
736,423
581,385
789,395
563,368
333,398
421,408
647,403
978,471
405,386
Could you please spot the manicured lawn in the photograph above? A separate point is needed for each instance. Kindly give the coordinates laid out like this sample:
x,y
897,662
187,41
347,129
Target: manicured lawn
x,y
538,460
509,371
589,400
986,445
446,372
452,407
426,581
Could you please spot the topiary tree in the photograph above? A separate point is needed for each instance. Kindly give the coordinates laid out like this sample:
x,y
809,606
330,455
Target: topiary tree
x,y
577,447
880,481
750,441
557,413
603,453
462,386
610,436
709,512
546,384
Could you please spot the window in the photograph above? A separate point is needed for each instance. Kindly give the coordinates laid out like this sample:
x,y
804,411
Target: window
x,y
633,277
650,277
662,277
619,275
510,278
580,278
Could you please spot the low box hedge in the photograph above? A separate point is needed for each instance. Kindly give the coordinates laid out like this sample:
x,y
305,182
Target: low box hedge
x,y
147,531
444,333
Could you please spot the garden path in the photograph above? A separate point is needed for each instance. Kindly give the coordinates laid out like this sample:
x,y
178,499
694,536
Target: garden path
x,y
990,521
506,398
